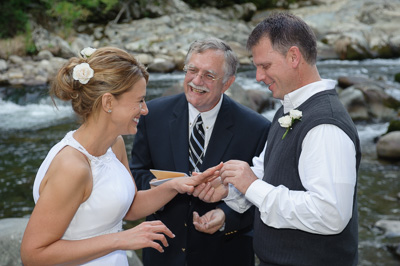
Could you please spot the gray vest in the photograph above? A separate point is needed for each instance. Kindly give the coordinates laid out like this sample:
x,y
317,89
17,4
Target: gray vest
x,y
295,247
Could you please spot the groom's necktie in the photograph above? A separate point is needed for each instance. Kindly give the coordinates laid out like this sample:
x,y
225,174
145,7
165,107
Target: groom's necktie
x,y
196,145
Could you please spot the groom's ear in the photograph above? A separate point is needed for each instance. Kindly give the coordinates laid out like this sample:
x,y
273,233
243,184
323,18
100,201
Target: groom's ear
x,y
294,56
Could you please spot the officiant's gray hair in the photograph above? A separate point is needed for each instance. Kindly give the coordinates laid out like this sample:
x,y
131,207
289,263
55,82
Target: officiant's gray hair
x,y
231,61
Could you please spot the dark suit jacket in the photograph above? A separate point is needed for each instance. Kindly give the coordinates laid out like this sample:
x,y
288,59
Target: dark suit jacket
x,y
162,143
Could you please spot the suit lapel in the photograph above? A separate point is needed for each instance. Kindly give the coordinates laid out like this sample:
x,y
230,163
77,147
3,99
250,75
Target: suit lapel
x,y
221,135
179,136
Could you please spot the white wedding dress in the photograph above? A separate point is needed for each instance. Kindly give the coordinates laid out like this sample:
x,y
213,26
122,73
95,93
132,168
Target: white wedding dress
x,y
102,213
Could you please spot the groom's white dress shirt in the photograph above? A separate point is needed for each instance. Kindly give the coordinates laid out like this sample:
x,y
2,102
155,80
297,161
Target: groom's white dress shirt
x,y
327,169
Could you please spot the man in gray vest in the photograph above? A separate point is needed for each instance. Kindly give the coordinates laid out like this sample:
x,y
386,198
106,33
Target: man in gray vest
x,y
304,183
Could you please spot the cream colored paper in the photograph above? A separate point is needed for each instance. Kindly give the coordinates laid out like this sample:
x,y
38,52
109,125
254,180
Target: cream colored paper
x,y
163,176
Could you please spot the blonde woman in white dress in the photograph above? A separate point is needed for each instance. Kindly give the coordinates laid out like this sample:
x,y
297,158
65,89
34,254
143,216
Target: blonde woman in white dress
x,y
84,188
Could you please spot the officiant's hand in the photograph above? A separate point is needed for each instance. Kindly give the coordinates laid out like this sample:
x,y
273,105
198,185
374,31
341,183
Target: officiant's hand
x,y
211,191
210,222
239,174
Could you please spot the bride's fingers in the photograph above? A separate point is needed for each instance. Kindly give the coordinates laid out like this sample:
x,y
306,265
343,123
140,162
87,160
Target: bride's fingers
x,y
208,175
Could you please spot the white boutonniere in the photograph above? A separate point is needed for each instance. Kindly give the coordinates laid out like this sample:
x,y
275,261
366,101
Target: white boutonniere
x,y
287,121
87,52
82,72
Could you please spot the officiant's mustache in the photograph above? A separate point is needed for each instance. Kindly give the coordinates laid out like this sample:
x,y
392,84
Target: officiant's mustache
x,y
201,88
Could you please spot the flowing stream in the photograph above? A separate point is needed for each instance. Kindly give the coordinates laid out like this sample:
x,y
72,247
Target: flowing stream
x,y
30,125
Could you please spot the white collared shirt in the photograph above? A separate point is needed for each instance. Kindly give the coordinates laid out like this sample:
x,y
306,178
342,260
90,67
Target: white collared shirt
x,y
208,118
327,169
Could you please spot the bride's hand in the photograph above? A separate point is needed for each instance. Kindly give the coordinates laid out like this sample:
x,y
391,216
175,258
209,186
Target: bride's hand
x,y
186,185
150,234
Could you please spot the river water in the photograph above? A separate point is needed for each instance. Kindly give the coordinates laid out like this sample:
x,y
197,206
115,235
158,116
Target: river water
x,y
30,126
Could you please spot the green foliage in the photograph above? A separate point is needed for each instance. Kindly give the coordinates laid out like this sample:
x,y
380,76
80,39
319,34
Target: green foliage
x,y
68,12
260,4
394,125
30,47
65,14
13,17
397,77
15,13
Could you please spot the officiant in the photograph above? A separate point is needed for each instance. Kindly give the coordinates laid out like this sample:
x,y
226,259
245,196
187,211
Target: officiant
x,y
189,132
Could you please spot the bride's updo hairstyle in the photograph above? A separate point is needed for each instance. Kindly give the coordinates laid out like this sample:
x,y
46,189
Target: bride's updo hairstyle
x,y
110,70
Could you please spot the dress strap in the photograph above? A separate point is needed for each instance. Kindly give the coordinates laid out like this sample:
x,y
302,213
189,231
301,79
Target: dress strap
x,y
70,141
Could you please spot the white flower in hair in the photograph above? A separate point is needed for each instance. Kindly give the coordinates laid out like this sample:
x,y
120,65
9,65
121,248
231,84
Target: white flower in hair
x,y
88,51
82,72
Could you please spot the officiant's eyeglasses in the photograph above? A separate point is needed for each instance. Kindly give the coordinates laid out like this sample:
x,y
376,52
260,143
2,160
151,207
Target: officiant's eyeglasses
x,y
207,77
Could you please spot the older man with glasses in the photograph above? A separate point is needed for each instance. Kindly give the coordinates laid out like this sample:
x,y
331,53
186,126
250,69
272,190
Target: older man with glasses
x,y
190,132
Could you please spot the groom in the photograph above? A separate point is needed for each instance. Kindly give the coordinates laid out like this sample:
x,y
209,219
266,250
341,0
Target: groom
x,y
303,185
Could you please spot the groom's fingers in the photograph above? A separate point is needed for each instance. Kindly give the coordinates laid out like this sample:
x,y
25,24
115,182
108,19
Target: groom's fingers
x,y
228,180
206,193
208,196
199,189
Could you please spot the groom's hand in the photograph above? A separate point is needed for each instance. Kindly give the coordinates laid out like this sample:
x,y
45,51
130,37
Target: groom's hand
x,y
211,191
239,174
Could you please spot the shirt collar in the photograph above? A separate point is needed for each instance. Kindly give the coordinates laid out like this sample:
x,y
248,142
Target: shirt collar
x,y
208,117
295,98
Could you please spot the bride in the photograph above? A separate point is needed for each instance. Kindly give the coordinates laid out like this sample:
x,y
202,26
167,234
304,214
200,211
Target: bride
x,y
84,188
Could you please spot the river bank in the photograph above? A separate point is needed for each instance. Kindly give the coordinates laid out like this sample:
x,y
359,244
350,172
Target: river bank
x,y
345,29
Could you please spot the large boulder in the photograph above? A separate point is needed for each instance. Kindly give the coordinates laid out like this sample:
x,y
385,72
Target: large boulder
x,y
11,232
381,106
164,65
391,229
347,81
170,34
354,102
155,8
368,101
45,40
356,29
388,146
3,65
350,29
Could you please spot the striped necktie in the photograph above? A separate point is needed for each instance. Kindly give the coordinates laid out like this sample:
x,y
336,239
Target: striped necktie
x,y
196,145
